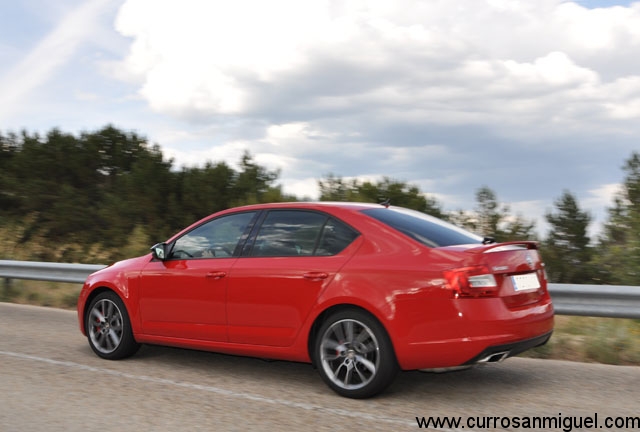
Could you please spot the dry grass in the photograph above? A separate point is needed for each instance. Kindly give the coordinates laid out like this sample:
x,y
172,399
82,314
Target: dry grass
x,y
51,294
598,340
584,339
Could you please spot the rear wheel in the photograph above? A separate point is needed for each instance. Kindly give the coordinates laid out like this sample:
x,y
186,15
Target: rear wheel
x,y
354,355
108,327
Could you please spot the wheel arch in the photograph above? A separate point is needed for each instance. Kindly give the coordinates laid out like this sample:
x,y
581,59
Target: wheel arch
x,y
326,313
93,294
110,336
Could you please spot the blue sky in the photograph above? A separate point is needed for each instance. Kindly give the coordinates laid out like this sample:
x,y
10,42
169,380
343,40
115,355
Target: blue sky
x,y
528,98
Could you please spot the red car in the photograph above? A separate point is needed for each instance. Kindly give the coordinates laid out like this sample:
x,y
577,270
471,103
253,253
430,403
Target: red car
x,y
360,290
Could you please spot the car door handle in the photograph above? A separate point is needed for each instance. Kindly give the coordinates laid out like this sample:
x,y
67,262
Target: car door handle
x,y
314,276
216,275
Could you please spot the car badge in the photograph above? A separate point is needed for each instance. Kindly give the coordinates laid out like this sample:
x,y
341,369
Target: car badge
x,y
529,260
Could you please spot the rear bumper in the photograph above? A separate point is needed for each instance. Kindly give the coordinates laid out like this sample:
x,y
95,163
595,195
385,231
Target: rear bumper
x,y
501,352
463,332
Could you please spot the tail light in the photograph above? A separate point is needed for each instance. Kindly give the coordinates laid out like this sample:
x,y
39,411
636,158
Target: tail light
x,y
472,282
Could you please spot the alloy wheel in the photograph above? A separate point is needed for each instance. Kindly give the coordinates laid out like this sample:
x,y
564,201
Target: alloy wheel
x,y
105,326
350,354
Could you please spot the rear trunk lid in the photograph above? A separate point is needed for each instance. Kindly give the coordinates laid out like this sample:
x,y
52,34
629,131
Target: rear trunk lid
x,y
516,267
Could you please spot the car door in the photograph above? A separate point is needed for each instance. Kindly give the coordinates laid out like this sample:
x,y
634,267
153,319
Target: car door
x,y
184,295
293,256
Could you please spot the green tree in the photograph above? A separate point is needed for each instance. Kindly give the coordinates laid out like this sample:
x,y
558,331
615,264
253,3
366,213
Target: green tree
x,y
493,219
9,148
397,192
334,188
115,151
463,218
566,251
52,178
619,246
140,195
490,213
100,193
206,190
519,228
401,194
254,183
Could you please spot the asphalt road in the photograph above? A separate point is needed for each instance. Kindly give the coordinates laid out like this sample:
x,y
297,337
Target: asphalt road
x,y
50,380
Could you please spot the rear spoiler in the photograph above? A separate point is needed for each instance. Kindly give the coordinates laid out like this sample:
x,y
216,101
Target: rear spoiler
x,y
499,247
494,247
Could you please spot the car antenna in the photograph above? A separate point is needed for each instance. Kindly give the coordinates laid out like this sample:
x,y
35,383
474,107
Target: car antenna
x,y
488,240
386,203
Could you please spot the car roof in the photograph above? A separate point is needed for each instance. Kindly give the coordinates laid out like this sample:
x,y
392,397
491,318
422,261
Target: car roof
x,y
316,205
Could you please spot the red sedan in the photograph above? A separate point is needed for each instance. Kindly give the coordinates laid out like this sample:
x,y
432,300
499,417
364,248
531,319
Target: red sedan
x,y
360,290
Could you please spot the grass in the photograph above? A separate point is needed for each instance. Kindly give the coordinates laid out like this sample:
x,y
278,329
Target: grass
x,y
51,294
584,339
598,340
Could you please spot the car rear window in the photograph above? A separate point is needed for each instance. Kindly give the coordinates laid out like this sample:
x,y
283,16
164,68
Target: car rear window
x,y
423,228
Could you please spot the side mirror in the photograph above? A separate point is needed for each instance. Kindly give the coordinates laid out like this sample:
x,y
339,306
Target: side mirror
x,y
159,251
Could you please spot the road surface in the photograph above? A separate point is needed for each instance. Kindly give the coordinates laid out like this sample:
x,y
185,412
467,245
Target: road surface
x,y
50,380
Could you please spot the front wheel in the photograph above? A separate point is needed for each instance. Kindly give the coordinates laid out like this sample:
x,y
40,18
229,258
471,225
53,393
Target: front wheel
x,y
354,355
108,327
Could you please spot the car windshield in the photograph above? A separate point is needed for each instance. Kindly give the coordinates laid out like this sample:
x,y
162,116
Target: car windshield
x,y
423,228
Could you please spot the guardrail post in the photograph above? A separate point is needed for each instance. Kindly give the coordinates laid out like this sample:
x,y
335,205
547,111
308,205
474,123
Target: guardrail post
x,y
7,292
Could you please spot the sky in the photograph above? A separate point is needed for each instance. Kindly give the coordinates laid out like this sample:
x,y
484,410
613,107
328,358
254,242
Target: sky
x,y
528,97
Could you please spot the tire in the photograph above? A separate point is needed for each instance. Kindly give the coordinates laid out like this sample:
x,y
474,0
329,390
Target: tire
x,y
108,327
354,355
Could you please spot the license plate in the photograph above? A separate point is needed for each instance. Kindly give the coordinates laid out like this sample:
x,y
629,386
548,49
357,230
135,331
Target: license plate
x,y
525,282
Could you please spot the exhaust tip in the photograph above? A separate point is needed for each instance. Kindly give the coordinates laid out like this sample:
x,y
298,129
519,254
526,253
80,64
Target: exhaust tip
x,y
495,357
446,369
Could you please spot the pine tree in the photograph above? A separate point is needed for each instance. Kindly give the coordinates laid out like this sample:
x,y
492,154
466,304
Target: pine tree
x,y
566,251
618,261
493,219
399,193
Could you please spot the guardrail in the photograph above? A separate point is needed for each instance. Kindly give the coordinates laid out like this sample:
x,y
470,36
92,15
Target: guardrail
x,y
612,301
45,271
584,300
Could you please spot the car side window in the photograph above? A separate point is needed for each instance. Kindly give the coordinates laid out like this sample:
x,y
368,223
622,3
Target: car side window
x,y
217,238
301,233
335,237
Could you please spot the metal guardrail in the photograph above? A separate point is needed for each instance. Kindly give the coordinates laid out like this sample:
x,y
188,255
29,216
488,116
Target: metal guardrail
x,y
45,271
613,301
584,300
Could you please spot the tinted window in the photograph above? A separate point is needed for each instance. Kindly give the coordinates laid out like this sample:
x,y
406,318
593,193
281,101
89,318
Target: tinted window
x,y
217,238
301,233
423,228
335,237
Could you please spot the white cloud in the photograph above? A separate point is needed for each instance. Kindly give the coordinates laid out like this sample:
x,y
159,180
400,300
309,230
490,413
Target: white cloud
x,y
86,96
617,100
597,30
206,48
602,196
527,97
230,152
302,188
455,61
